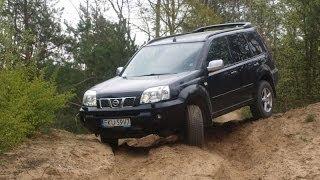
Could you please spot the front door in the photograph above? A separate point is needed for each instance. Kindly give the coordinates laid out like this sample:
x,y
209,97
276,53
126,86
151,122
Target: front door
x,y
223,85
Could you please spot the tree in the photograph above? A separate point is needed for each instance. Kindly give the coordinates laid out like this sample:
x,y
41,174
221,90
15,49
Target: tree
x,y
299,55
229,10
157,21
100,45
168,17
35,29
200,14
119,8
29,101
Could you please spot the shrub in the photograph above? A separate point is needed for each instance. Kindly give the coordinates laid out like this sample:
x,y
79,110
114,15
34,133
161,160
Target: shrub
x,y
246,113
27,104
310,118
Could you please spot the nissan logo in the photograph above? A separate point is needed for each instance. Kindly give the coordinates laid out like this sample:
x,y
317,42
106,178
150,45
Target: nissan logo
x,y
115,103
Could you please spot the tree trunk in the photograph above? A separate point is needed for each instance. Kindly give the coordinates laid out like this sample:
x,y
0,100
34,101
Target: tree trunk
x,y
158,14
26,19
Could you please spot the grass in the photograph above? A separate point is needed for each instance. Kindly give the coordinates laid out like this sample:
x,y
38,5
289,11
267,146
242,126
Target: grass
x,y
246,113
304,139
310,118
2,162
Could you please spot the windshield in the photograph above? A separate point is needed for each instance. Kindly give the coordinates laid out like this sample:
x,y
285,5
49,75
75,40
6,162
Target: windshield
x,y
164,59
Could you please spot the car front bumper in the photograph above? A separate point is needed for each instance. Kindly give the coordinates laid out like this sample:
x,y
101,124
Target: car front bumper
x,y
145,119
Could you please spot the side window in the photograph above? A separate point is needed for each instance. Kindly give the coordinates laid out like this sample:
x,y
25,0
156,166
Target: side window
x,y
239,47
219,50
255,43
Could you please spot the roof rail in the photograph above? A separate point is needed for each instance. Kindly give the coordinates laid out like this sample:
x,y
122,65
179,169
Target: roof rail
x,y
224,26
160,38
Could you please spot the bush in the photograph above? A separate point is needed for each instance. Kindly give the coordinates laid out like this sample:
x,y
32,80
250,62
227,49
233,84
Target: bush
x,y
246,112
67,119
69,79
310,118
27,104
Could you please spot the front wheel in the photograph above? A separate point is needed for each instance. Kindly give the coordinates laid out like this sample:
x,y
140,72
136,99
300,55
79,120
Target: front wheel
x,y
195,129
263,105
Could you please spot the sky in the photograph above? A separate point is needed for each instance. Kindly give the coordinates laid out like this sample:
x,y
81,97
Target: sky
x,y
70,14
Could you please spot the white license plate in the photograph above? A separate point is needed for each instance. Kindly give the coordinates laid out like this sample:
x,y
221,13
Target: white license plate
x,y
123,122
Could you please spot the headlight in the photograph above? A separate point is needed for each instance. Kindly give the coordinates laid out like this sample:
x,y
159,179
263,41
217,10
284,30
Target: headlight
x,y
90,98
155,94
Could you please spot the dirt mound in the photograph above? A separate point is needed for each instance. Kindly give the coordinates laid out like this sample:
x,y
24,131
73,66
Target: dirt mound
x,y
179,161
285,146
60,154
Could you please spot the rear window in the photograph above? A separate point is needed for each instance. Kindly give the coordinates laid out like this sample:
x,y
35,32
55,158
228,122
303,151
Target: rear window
x,y
239,47
255,43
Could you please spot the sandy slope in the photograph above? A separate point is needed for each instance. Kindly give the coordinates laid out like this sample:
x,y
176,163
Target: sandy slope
x,y
282,147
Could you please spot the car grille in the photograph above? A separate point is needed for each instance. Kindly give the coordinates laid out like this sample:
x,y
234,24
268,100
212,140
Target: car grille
x,y
117,102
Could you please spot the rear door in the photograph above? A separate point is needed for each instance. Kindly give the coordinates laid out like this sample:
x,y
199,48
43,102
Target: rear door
x,y
258,57
241,55
224,84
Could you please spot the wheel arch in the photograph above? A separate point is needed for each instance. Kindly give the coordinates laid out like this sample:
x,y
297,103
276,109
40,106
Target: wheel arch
x,y
265,75
198,95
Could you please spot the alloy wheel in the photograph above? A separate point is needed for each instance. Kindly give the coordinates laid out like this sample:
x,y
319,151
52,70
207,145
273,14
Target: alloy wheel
x,y
266,95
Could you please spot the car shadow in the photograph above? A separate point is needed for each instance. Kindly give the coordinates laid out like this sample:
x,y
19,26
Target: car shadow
x,y
145,144
221,130
217,132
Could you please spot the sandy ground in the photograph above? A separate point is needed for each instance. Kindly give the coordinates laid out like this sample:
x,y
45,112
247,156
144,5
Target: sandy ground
x,y
285,146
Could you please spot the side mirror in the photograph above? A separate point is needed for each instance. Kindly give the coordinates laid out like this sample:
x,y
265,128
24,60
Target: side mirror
x,y
119,70
215,65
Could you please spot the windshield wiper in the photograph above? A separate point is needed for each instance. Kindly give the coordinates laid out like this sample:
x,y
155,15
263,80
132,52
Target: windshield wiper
x,y
155,74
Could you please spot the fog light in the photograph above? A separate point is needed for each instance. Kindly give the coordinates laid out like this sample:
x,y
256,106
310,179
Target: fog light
x,y
159,116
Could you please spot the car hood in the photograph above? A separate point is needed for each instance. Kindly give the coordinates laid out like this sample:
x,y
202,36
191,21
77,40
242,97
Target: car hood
x,y
134,86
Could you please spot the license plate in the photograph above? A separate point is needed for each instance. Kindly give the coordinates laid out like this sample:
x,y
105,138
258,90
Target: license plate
x,y
123,122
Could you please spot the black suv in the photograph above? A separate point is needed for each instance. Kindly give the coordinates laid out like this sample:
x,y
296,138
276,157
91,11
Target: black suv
x,y
179,83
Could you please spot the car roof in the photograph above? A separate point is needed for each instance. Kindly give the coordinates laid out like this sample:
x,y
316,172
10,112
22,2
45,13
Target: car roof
x,y
200,35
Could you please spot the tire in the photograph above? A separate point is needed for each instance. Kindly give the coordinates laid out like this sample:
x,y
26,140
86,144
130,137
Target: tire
x,y
264,99
112,142
195,128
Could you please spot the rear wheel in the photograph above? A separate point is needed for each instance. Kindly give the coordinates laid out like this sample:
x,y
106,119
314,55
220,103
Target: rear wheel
x,y
112,142
263,105
195,129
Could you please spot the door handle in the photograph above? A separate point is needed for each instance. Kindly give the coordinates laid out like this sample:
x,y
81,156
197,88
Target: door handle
x,y
256,64
234,72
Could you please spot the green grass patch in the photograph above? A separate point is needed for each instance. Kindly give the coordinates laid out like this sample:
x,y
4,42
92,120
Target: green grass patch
x,y
310,118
